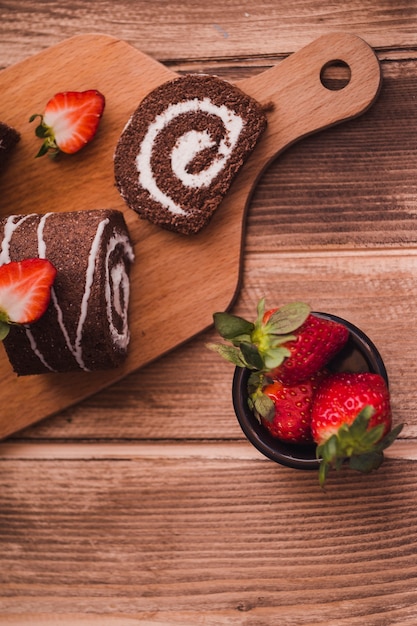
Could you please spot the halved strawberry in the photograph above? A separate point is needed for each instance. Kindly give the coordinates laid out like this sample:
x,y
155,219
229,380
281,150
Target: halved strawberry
x,y
70,121
351,420
25,291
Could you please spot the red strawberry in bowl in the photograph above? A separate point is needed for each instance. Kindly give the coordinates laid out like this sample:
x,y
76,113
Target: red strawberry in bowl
x,y
272,412
316,342
25,291
351,421
288,343
285,410
69,122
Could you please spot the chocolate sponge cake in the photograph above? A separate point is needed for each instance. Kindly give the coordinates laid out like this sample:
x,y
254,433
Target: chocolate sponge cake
x,y
182,147
85,326
9,137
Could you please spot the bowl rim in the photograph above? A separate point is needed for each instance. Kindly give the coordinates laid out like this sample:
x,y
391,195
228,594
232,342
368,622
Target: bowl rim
x,y
295,455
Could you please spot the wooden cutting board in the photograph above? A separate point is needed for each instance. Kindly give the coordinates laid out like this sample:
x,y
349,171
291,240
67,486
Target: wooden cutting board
x,y
177,281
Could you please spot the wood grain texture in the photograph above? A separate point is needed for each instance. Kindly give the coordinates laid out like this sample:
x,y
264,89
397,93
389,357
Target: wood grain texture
x,y
237,28
144,505
139,547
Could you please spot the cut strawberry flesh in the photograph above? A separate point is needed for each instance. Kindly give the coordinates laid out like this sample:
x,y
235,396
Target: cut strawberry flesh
x,y
25,290
71,119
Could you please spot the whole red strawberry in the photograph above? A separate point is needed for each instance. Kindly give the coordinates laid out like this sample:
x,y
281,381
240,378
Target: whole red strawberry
x,y
285,410
70,121
316,342
289,343
351,420
25,291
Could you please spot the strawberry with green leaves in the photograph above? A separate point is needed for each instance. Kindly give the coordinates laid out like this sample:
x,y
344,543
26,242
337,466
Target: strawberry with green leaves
x,y
69,122
351,421
289,343
285,410
25,292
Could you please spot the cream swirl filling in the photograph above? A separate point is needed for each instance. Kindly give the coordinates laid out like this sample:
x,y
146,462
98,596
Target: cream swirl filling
x,y
186,148
117,289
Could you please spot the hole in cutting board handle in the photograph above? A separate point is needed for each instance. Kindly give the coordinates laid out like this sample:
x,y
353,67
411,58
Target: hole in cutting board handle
x,y
335,75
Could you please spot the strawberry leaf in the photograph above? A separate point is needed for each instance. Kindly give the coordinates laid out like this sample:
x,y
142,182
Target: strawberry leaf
x,y
263,407
288,318
360,424
278,340
323,472
256,381
365,463
232,326
363,448
41,131
260,311
42,150
390,437
4,330
371,438
274,357
251,356
230,353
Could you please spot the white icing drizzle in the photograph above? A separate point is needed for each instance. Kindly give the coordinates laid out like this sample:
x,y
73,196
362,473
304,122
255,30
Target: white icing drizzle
x,y
186,149
41,242
77,354
117,275
117,282
89,277
9,229
36,350
60,319
42,255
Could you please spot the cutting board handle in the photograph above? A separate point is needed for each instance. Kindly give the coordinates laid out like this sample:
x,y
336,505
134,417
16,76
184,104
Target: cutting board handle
x,y
301,103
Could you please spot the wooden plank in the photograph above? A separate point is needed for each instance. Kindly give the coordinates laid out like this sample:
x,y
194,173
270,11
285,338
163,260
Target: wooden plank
x,y
140,530
219,29
180,540
219,451
163,287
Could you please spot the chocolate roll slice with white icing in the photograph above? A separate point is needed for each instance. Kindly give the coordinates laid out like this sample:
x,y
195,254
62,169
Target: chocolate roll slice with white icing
x,y
182,148
86,324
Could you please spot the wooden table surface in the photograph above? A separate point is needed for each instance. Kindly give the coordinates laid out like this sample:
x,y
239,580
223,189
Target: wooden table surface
x,y
145,504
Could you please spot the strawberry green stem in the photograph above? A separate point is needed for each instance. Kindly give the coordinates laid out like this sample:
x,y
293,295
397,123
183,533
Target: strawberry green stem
x,y
360,446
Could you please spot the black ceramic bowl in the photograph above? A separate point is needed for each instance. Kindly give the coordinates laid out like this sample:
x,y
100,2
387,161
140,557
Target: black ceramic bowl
x,y
358,355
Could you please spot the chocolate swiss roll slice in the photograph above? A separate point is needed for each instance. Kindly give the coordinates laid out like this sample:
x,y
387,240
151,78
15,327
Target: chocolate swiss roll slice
x,y
9,137
86,324
182,147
